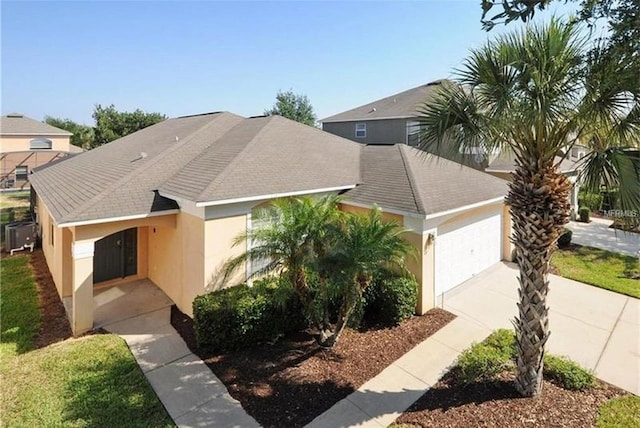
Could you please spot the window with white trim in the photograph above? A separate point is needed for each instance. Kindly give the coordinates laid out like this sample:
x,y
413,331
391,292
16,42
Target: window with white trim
x,y
413,129
361,130
40,144
22,173
260,219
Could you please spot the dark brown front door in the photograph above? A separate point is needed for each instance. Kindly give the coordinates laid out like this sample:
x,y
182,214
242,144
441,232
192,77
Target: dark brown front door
x,y
116,256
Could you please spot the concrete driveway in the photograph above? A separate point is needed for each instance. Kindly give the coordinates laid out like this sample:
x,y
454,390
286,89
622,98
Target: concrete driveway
x,y
598,234
597,328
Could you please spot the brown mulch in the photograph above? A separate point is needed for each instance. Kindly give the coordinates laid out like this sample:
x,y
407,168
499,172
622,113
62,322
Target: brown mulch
x,y
497,404
55,324
291,382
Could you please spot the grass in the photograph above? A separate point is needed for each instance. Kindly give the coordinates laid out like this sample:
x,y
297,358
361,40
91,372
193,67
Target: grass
x,y
600,268
623,412
87,382
19,314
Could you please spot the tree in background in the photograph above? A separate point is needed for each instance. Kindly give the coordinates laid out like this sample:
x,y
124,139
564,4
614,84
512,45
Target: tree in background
x,y
622,16
293,106
531,93
82,134
112,124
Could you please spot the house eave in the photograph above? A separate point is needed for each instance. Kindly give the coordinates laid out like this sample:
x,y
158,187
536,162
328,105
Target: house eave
x,y
115,219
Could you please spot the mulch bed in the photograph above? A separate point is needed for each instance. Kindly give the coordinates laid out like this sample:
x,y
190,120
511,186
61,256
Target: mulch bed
x,y
55,324
498,404
289,383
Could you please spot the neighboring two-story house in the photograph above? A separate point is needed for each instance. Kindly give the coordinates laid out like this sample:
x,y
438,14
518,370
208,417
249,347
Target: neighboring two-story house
x,y
26,144
394,119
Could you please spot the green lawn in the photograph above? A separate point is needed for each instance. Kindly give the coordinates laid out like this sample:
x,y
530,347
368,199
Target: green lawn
x,y
620,412
598,267
93,381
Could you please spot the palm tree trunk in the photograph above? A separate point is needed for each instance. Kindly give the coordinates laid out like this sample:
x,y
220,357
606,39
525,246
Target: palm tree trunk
x,y
539,202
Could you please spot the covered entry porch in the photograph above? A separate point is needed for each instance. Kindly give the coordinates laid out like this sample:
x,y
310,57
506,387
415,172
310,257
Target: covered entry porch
x,y
109,278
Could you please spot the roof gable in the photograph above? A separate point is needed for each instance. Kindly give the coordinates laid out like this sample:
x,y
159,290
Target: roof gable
x,y
400,105
18,124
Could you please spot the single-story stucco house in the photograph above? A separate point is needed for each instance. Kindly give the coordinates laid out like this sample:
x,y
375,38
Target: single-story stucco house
x,y
166,203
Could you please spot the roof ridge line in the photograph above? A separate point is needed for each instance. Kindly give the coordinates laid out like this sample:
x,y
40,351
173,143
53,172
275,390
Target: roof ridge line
x,y
411,178
241,154
118,183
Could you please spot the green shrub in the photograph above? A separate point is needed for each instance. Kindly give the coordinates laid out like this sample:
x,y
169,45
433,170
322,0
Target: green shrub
x,y
609,199
241,316
485,360
593,201
567,373
390,299
565,239
583,212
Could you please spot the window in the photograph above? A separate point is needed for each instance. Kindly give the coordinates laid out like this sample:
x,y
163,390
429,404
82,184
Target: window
x,y
51,231
40,144
413,128
361,130
22,173
260,219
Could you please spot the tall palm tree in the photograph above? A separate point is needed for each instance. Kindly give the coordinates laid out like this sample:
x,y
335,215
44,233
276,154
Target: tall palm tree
x,y
532,93
363,246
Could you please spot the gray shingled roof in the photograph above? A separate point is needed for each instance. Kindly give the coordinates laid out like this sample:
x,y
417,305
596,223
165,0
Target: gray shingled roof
x,y
401,105
505,162
406,179
200,158
18,124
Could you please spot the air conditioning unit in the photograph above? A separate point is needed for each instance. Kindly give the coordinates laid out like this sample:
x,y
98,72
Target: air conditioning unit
x,y
20,236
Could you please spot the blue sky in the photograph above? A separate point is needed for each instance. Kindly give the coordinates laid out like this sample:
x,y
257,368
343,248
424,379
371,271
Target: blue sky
x,y
179,58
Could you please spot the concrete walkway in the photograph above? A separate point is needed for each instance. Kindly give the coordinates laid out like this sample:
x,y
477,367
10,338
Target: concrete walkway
x,y
191,393
382,399
597,328
598,234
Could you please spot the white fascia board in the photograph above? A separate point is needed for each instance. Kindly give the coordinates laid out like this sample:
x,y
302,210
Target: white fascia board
x,y
273,196
114,219
498,170
36,134
465,208
368,119
185,205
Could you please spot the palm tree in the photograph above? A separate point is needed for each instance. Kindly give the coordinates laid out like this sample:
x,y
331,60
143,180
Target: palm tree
x,y
363,246
295,231
532,93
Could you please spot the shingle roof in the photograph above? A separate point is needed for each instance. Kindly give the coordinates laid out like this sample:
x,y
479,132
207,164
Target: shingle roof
x,y
200,158
505,162
406,179
18,124
401,105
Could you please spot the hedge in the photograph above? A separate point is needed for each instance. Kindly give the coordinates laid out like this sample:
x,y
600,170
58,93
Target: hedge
x,y
241,316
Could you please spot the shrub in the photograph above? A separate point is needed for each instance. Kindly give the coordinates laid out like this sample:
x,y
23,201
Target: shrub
x,y
567,373
390,299
565,239
240,316
485,360
583,212
593,201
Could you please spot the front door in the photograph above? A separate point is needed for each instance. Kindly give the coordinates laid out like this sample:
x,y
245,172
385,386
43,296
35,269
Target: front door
x,y
116,256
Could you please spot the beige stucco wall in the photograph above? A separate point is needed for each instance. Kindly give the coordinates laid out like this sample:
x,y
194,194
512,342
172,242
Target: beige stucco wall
x,y
17,143
360,210
53,249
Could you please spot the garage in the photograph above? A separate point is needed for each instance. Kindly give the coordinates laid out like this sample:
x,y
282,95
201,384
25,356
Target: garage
x,y
465,246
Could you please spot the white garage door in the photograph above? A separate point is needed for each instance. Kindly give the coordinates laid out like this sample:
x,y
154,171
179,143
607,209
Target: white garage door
x,y
467,249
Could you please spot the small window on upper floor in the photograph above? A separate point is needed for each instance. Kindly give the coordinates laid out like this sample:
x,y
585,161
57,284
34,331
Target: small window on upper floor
x,y
40,144
361,130
22,173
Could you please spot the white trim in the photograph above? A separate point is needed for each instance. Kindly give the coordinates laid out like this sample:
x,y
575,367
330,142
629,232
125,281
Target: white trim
x,y
363,126
363,119
465,208
123,218
386,210
273,196
35,134
82,250
499,170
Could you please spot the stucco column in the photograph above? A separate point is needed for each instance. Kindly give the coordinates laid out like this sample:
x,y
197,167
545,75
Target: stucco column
x,y
422,267
82,297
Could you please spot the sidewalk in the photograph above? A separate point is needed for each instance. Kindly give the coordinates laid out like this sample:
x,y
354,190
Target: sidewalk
x,y
191,393
598,234
382,399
